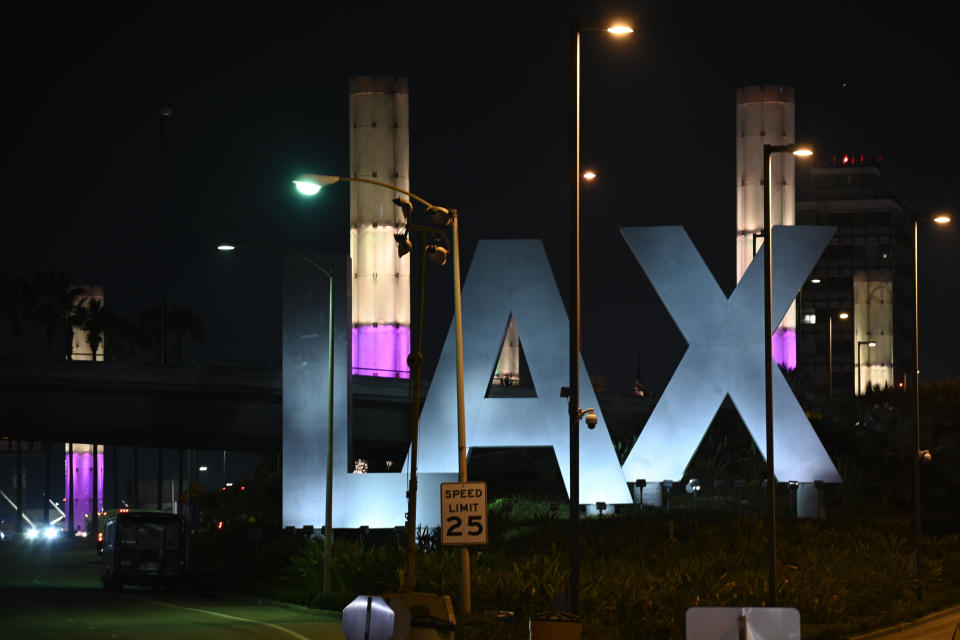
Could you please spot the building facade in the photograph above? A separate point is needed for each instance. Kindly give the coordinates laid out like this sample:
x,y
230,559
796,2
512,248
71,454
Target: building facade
x,y
865,273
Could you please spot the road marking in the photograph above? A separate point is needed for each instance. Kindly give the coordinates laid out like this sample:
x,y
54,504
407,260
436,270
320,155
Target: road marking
x,y
223,615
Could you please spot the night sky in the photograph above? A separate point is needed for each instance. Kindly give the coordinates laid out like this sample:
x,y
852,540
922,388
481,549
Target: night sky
x,y
259,93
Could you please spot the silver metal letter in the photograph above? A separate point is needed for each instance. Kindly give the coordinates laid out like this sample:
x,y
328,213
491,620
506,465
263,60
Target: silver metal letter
x,y
725,354
513,277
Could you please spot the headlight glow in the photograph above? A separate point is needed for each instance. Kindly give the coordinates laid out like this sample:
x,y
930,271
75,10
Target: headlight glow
x,y
51,532
32,534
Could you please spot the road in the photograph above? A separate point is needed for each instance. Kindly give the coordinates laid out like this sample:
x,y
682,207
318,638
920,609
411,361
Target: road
x,y
943,625
53,591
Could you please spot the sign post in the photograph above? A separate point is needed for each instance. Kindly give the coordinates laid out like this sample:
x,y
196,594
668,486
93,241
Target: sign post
x,y
463,508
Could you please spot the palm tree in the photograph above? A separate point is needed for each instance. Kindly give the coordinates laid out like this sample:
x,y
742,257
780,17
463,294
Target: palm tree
x,y
183,321
17,302
147,329
115,329
57,293
88,316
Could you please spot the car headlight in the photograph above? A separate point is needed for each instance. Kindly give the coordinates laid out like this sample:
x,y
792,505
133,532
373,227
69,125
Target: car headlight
x,y
32,534
51,532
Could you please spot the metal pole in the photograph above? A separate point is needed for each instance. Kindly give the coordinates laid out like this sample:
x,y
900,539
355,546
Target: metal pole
x,y
917,513
159,478
328,506
328,516
19,490
46,484
415,361
116,476
180,472
165,113
859,347
461,420
768,376
136,478
573,586
830,355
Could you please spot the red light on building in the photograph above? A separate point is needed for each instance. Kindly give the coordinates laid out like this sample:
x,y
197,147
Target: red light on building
x,y
846,159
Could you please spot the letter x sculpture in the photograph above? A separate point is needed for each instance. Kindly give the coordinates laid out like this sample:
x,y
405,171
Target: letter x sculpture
x,y
725,354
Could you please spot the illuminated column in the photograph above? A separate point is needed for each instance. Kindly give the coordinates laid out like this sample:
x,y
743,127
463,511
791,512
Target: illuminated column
x,y
82,469
873,322
765,115
380,150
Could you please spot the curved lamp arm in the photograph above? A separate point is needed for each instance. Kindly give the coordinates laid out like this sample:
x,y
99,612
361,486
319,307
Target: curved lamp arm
x,y
318,181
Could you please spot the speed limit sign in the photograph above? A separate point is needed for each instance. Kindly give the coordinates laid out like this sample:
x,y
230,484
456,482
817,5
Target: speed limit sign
x,y
463,506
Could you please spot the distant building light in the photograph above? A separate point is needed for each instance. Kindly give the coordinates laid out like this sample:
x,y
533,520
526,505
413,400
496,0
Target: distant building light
x,y
809,318
814,280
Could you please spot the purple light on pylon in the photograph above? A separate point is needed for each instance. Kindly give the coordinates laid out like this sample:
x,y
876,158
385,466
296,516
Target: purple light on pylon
x,y
83,504
381,351
785,348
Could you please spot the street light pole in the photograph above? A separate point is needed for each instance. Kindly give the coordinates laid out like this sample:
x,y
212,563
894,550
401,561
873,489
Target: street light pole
x,y
461,418
328,507
830,355
768,151
918,457
310,184
843,315
415,362
860,343
573,587
917,513
573,391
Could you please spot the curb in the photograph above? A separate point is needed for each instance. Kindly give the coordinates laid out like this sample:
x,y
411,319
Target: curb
x,y
266,602
904,626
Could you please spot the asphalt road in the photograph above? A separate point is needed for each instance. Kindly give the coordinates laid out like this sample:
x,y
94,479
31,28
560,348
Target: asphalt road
x,y
53,591
943,625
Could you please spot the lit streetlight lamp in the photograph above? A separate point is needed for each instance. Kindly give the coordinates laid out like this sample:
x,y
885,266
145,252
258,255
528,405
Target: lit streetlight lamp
x,y
800,151
920,455
573,391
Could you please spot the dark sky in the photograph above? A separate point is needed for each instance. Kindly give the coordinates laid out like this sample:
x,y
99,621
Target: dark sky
x,y
259,92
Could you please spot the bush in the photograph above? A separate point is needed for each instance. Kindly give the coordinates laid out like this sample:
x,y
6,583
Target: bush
x,y
639,573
